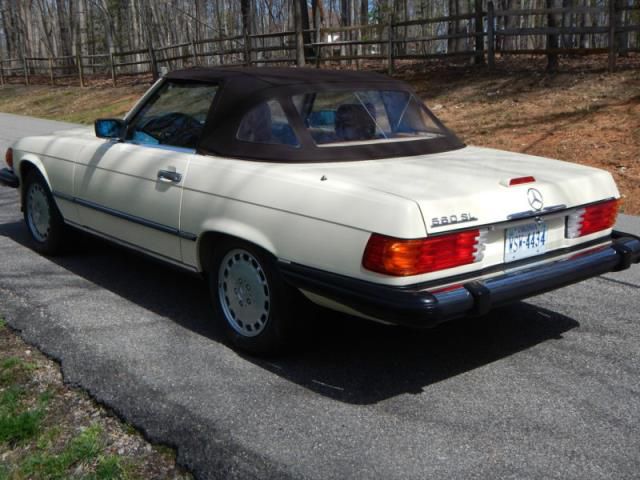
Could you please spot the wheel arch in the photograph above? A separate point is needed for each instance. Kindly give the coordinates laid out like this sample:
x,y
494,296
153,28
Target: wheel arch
x,y
30,162
214,233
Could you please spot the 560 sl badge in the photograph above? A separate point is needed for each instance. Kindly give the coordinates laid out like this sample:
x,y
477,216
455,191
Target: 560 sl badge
x,y
452,220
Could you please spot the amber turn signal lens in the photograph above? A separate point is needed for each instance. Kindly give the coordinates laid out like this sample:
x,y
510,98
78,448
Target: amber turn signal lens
x,y
8,157
400,257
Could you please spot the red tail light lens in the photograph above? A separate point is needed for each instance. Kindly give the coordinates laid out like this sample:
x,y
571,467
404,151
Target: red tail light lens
x,y
399,257
591,219
8,157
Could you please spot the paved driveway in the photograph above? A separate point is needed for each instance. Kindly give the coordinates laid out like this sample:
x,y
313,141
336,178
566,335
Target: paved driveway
x,y
548,388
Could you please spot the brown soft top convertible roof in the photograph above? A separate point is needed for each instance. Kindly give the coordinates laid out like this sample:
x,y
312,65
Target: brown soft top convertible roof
x,y
262,77
243,88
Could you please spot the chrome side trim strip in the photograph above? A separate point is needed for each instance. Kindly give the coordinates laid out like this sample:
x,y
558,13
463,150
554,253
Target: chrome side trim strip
x,y
131,246
125,216
536,213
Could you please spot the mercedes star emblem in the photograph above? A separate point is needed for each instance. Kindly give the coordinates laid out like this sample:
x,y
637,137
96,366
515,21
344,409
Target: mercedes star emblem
x,y
535,199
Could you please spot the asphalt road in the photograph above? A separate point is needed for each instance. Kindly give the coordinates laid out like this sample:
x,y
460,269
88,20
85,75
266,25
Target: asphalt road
x,y
548,388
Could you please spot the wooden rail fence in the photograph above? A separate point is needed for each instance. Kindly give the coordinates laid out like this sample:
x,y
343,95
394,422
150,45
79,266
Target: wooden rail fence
x,y
477,35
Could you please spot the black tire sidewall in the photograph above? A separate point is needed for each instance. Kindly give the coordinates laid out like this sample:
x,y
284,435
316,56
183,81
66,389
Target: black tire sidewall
x,y
277,332
54,242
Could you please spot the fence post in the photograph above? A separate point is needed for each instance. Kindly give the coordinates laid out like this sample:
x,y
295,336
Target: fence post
x,y
300,58
247,49
1,73
390,45
112,67
51,79
26,70
154,64
612,36
80,70
318,37
194,52
553,39
491,37
479,57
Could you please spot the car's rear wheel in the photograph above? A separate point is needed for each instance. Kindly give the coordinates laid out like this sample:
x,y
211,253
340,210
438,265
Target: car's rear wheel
x,y
255,307
44,220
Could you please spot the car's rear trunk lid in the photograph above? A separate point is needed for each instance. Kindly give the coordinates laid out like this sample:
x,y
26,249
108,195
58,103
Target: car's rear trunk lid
x,y
470,186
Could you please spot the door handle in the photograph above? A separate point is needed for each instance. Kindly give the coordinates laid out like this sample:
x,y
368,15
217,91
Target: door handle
x,y
169,176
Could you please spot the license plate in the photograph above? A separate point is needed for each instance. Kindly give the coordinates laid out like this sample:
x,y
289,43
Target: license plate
x,y
525,241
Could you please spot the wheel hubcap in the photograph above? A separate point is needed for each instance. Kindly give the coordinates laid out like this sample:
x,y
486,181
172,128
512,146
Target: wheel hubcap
x,y
38,215
244,293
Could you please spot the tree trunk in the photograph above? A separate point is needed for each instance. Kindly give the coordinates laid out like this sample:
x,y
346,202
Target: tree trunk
x,y
82,21
306,26
552,40
299,27
622,38
452,26
345,21
479,40
364,12
7,31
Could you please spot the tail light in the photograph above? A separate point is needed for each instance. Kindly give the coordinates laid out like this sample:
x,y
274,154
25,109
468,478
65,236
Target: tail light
x,y
521,180
400,257
8,157
591,219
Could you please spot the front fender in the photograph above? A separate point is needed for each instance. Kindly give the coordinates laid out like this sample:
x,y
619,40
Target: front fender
x,y
34,160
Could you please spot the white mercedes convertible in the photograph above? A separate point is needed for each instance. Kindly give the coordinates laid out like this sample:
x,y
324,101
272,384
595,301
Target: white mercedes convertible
x,y
341,187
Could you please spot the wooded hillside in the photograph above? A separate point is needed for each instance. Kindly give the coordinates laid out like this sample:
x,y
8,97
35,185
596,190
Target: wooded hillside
x,y
263,31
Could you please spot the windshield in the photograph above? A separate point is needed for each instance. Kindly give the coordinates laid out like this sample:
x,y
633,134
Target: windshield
x,y
341,118
175,115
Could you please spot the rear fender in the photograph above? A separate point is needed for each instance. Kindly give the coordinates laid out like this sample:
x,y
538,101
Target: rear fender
x,y
225,227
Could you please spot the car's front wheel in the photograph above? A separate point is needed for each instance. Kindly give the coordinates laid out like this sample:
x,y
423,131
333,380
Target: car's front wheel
x,y
255,307
44,221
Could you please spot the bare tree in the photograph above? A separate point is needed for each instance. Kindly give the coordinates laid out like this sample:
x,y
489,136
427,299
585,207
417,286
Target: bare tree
x,y
69,27
552,39
299,26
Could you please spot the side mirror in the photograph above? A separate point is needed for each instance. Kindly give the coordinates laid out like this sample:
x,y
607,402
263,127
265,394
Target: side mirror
x,y
109,128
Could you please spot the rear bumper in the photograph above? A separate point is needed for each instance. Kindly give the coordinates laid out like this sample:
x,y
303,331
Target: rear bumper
x,y
8,178
416,306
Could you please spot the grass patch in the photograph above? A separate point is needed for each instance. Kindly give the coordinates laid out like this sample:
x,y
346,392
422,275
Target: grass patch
x,y
16,428
47,439
14,370
70,104
51,432
111,468
83,449
18,423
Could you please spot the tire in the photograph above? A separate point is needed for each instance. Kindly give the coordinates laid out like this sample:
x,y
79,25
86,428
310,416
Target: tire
x,y
44,221
253,305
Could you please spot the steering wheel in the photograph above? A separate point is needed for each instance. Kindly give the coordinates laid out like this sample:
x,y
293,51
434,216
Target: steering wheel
x,y
170,128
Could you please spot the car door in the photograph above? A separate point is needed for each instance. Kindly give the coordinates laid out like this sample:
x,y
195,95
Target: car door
x,y
131,190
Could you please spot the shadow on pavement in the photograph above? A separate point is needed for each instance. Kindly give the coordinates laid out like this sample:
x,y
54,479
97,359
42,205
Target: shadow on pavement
x,y
341,357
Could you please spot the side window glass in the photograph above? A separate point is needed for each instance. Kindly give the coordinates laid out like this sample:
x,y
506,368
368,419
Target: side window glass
x,y
267,123
175,115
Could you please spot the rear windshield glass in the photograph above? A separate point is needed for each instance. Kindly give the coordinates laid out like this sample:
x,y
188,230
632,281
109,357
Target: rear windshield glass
x,y
354,117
